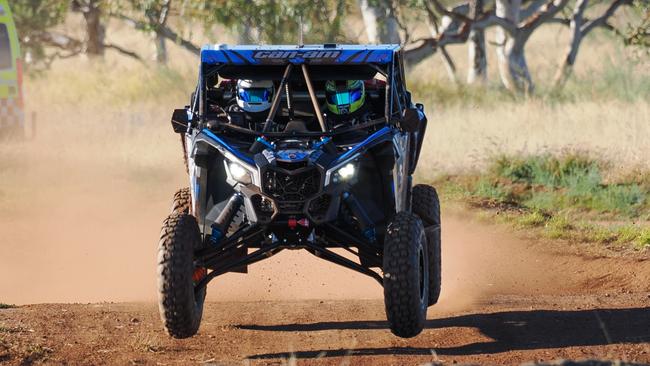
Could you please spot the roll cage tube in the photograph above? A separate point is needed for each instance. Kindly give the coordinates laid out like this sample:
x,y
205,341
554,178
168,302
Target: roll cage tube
x,y
257,145
314,100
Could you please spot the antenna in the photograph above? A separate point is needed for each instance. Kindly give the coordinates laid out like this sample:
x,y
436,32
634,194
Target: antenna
x,y
302,42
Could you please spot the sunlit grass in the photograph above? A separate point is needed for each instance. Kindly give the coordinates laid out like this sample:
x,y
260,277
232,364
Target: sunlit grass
x,y
565,197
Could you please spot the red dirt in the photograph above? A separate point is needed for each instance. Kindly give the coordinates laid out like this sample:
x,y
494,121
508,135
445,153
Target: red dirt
x,y
504,301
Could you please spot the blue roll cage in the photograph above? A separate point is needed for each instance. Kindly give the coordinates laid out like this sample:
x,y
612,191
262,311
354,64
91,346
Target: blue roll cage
x,y
385,59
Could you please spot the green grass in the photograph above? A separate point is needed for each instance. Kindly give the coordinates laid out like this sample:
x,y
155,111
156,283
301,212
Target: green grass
x,y
6,306
572,181
563,197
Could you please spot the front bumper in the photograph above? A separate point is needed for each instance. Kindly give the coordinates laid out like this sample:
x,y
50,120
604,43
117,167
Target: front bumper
x,y
292,194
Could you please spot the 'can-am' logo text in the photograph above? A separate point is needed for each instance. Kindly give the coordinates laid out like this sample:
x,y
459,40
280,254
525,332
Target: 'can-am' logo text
x,y
296,54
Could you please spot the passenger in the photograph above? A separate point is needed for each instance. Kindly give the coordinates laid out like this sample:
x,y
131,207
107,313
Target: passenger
x,y
346,102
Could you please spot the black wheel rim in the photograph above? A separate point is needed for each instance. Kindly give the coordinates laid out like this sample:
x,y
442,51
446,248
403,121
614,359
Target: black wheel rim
x,y
421,272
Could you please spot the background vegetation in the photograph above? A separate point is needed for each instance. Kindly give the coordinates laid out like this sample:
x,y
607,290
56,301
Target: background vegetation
x,y
568,163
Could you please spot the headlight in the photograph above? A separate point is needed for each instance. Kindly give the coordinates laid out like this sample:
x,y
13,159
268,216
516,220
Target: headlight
x,y
347,171
239,173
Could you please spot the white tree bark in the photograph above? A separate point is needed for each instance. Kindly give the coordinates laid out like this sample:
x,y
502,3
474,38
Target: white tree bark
x,y
511,58
380,23
159,21
477,68
477,57
370,17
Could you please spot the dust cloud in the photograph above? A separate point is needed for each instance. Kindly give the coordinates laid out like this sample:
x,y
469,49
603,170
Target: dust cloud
x,y
82,203
87,232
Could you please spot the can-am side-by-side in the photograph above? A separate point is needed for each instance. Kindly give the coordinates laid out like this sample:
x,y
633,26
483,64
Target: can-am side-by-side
x,y
301,147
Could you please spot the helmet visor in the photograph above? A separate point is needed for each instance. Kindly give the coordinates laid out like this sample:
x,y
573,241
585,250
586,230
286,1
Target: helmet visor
x,y
255,95
344,97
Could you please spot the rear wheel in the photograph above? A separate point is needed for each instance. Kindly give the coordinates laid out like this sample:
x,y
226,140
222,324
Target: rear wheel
x,y
182,201
180,307
406,275
427,206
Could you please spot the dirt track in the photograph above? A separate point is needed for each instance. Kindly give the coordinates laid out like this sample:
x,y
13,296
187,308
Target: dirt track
x,y
504,301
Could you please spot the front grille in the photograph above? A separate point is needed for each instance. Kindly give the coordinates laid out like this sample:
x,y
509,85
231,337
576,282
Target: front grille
x,y
296,185
291,165
290,207
319,206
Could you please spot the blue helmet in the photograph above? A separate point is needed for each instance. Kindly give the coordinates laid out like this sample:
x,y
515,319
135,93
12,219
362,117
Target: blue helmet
x,y
254,96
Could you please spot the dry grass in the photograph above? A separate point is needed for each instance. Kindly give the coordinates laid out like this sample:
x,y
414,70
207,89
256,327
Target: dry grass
x,y
461,138
113,115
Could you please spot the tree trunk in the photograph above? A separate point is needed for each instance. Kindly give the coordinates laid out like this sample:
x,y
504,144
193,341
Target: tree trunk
x,y
569,59
390,29
450,66
245,32
380,23
511,57
95,31
160,43
370,17
477,71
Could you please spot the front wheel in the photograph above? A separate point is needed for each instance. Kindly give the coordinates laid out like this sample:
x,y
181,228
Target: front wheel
x,y
180,307
406,275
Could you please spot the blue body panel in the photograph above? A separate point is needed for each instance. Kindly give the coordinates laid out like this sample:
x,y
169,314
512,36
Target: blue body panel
x,y
311,54
229,148
379,136
384,134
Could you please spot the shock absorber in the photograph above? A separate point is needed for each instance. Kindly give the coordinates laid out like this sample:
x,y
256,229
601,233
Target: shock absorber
x,y
366,224
223,221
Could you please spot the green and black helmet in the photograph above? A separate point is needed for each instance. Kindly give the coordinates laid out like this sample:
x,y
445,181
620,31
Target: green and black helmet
x,y
345,96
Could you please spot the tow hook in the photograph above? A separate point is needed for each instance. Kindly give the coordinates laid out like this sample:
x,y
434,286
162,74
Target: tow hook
x,y
292,223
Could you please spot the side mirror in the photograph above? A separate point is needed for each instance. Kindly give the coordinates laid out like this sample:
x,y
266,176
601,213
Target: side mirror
x,y
180,120
410,120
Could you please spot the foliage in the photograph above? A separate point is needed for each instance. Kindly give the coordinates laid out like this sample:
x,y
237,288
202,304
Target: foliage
x,y
34,18
276,21
639,35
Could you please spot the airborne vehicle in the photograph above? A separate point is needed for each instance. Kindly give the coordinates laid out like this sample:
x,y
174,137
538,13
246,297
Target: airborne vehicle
x,y
307,147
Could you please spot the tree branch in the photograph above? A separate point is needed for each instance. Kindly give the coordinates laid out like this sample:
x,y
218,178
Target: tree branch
x,y
123,51
602,20
165,31
490,20
531,9
545,13
441,10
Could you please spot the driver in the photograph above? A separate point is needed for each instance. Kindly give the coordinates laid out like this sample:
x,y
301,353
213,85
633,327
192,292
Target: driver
x,y
346,102
253,98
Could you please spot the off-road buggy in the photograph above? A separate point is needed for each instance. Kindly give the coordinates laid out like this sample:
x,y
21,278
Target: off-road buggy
x,y
295,181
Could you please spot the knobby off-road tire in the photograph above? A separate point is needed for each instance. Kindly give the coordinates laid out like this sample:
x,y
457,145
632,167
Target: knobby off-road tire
x,y
406,275
427,206
180,309
182,201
